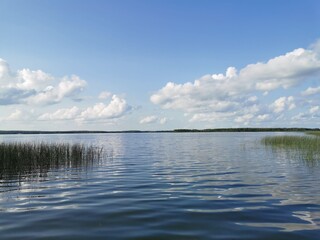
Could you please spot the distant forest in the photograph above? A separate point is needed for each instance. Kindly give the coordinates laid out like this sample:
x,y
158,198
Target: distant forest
x,y
249,130
175,130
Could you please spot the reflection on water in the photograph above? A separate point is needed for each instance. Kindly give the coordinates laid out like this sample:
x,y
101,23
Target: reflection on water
x,y
309,159
166,186
34,162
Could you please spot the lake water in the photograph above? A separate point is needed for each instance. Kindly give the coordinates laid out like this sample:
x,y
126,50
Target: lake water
x,y
166,186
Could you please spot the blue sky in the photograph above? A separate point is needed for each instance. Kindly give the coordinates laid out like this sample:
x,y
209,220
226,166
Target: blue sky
x,y
159,64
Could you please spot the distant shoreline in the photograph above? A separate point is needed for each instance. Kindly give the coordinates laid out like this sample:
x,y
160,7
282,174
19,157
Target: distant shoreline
x,y
5,132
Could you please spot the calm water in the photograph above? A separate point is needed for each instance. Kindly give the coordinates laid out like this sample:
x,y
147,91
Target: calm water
x,y
166,186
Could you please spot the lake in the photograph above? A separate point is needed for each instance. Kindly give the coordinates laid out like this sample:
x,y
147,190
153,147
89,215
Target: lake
x,y
166,186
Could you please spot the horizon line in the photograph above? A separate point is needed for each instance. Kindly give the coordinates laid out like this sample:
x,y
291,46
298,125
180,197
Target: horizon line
x,y
240,129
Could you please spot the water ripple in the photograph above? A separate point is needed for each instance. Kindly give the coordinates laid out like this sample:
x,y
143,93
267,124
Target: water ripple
x,y
167,186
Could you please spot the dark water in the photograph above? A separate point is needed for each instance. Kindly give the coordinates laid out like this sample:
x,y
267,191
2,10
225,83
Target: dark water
x,y
166,186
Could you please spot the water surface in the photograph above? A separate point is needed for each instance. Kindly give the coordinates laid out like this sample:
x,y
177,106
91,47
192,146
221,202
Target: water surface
x,y
166,186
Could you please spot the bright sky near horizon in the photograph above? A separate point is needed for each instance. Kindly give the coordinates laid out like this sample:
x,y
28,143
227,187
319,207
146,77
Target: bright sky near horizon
x,y
159,64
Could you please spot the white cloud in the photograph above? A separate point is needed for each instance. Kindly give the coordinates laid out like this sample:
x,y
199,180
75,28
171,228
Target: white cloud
x,y
311,91
16,115
312,115
148,119
212,117
153,119
36,87
32,80
104,95
235,94
67,87
11,95
263,117
283,71
253,99
300,116
163,120
115,109
61,114
283,103
314,109
244,119
4,72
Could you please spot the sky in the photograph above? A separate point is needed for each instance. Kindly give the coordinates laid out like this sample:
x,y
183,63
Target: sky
x,y
159,64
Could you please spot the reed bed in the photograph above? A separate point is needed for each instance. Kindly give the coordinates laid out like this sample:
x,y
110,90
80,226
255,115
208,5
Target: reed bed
x,y
20,159
314,133
306,147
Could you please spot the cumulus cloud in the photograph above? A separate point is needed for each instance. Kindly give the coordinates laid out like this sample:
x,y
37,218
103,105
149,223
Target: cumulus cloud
x,y
67,87
311,91
148,119
234,94
116,108
263,117
18,115
61,114
312,114
284,71
283,103
153,119
104,95
35,87
163,120
244,118
4,72
32,80
12,95
314,109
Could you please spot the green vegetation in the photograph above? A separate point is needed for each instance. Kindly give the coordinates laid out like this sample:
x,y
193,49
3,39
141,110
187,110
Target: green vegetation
x,y
21,159
296,142
305,147
315,133
249,130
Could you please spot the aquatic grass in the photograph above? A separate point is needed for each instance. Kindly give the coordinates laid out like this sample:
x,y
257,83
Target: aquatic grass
x,y
303,147
21,159
303,142
314,133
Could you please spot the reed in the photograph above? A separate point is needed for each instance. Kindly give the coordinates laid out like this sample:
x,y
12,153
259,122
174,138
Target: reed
x,y
306,147
20,159
314,133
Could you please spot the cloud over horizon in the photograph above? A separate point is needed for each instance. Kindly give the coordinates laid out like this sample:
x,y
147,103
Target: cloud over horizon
x,y
153,119
116,108
242,95
285,88
31,87
40,90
